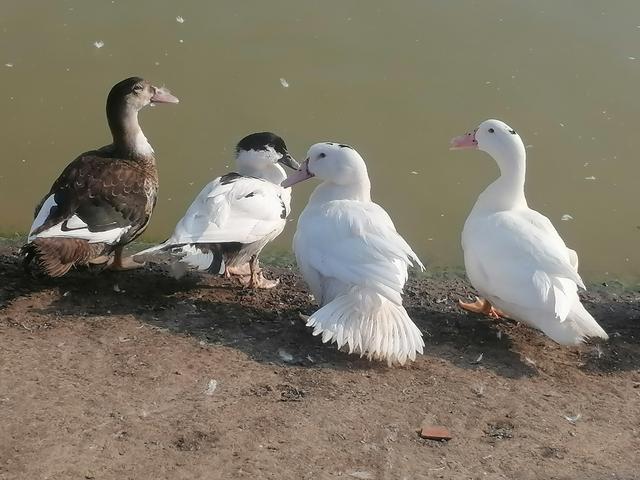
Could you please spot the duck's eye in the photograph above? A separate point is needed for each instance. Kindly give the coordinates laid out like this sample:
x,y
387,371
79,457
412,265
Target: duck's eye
x,y
137,88
512,131
491,130
322,155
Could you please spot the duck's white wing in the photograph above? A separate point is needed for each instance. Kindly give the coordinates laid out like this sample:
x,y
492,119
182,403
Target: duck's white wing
x,y
234,209
356,243
519,257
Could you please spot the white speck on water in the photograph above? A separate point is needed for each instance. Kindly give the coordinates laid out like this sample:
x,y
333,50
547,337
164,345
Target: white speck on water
x,y
284,355
413,172
211,387
566,217
181,41
479,359
179,19
284,83
573,418
562,124
586,164
156,63
590,178
9,65
631,58
117,289
98,44
499,334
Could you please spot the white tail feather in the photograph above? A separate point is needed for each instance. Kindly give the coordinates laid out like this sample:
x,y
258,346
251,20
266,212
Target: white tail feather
x,y
194,257
370,325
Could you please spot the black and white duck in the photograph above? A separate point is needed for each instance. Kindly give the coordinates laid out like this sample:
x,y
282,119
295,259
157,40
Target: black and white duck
x,y
236,215
102,200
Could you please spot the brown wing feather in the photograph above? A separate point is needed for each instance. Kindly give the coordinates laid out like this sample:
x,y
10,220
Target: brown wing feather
x,y
105,193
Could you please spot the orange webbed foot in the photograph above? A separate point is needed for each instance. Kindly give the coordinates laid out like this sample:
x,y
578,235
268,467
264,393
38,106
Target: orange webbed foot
x,y
483,307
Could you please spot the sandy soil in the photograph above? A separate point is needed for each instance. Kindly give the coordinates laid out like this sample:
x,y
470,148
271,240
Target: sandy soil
x,y
112,376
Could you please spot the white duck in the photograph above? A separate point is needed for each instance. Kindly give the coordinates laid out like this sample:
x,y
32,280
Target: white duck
x,y
513,255
236,215
353,260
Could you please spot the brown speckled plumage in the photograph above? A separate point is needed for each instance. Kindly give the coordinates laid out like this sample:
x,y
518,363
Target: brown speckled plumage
x,y
114,187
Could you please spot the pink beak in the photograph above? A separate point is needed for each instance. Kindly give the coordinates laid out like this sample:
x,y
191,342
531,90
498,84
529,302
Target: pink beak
x,y
298,176
464,142
163,95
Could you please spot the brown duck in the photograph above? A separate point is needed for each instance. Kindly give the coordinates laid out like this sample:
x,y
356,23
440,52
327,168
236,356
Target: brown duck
x,y
104,198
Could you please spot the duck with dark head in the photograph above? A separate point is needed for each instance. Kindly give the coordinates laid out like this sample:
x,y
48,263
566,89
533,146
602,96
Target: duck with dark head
x,y
102,200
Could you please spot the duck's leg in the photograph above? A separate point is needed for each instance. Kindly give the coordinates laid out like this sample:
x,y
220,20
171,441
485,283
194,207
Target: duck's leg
x,y
241,271
120,263
482,307
101,260
257,280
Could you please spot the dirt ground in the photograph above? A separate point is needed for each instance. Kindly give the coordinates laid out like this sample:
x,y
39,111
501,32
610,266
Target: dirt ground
x,y
140,376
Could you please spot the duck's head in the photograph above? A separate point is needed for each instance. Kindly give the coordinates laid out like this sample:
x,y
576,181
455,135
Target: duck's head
x,y
493,137
332,162
134,93
262,151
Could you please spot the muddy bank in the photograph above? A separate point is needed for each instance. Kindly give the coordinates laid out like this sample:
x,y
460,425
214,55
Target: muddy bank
x,y
138,375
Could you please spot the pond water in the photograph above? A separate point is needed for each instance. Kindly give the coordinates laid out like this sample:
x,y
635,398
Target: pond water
x,y
395,79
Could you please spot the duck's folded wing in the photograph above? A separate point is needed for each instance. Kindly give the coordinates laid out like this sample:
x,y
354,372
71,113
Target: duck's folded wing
x,y
524,264
94,199
237,209
357,243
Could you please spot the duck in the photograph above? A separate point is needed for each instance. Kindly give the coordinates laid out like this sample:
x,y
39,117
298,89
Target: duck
x,y
513,255
236,215
353,259
103,199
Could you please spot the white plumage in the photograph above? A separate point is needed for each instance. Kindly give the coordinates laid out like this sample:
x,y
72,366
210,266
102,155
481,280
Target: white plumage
x,y
245,210
513,255
236,215
353,260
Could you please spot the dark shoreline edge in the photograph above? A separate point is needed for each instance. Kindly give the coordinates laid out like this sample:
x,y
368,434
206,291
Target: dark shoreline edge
x,y
280,258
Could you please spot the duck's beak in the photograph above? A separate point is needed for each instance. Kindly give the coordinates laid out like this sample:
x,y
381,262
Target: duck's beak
x,y
289,161
464,142
299,175
163,95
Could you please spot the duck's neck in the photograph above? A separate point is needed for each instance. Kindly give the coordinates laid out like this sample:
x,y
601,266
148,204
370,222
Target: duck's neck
x,y
273,173
328,191
128,139
507,192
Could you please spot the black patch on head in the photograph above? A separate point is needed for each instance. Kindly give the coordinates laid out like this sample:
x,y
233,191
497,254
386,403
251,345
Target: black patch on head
x,y
250,194
512,131
342,145
491,130
262,140
283,214
229,178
